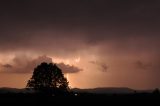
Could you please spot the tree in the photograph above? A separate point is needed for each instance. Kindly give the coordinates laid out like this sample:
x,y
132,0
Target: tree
x,y
48,78
156,91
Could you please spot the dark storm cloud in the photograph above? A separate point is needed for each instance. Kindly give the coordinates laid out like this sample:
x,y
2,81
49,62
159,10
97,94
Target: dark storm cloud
x,y
73,25
24,64
68,68
61,28
141,65
152,64
7,66
128,27
151,69
103,66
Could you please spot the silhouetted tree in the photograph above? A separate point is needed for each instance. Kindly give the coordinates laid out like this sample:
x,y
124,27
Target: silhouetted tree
x,y
49,79
156,91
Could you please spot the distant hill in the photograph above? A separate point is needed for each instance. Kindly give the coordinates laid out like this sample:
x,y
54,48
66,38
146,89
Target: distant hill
x,y
109,90
14,90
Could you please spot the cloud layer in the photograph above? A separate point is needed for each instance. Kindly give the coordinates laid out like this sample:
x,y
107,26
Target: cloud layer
x,y
58,27
103,67
23,64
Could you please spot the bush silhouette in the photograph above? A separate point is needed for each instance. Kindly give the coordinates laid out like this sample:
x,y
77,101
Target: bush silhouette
x,y
156,91
48,79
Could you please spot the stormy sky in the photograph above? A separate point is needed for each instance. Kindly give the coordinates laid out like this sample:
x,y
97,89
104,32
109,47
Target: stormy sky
x,y
97,43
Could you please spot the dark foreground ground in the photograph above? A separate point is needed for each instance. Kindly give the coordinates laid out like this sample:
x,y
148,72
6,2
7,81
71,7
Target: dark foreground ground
x,y
81,99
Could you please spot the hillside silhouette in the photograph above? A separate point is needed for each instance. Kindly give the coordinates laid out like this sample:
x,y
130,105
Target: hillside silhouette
x,y
81,96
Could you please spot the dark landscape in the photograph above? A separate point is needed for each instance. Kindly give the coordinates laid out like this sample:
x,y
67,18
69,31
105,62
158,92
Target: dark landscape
x,y
81,96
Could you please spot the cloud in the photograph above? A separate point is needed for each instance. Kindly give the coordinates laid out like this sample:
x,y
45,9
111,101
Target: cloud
x,y
142,65
68,68
7,66
24,64
103,66
52,33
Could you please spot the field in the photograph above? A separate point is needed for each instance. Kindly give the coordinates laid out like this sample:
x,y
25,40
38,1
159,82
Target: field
x,y
80,98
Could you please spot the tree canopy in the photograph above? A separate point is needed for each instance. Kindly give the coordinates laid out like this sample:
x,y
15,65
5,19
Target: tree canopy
x,y
48,77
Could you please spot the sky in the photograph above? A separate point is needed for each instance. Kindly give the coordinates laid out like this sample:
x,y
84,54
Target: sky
x,y
97,43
